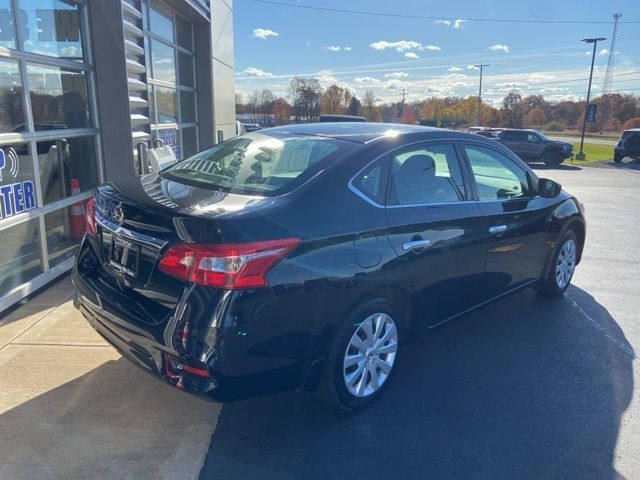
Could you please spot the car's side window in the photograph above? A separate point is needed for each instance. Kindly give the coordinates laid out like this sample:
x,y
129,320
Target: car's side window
x,y
533,138
426,175
371,182
497,176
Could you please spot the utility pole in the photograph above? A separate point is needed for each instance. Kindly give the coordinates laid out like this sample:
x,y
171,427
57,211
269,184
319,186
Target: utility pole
x,y
404,94
481,67
580,155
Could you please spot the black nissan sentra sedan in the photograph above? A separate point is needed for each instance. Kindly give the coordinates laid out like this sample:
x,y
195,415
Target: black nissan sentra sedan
x,y
299,257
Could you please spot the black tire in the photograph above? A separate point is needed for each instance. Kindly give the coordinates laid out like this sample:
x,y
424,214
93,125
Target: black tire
x,y
617,157
333,388
548,285
552,158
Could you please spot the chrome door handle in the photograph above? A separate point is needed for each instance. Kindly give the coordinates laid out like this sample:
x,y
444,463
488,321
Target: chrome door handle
x,y
415,244
498,229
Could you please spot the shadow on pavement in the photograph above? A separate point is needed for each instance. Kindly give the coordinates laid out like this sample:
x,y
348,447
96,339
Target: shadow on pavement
x,y
115,422
526,388
626,163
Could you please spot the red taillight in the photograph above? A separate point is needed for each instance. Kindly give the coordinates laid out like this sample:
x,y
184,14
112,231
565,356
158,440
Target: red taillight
x,y
230,265
91,218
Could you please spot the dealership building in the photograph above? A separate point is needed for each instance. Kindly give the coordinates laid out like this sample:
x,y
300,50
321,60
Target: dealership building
x,y
89,91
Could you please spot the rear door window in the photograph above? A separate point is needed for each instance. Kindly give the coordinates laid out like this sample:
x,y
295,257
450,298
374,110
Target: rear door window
x,y
426,175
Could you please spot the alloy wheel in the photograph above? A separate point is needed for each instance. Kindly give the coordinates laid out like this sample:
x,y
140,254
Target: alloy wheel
x,y
370,355
566,263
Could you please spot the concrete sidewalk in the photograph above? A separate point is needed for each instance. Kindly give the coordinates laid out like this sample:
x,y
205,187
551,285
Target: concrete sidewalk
x,y
71,407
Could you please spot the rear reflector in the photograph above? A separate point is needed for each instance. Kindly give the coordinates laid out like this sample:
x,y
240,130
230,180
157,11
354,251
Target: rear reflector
x,y
230,265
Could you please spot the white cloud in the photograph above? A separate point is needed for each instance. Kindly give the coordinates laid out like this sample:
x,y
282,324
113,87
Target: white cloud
x,y
456,75
604,51
256,72
400,46
433,48
263,33
411,55
367,80
497,47
396,75
337,48
453,69
457,24
394,84
540,77
325,78
472,67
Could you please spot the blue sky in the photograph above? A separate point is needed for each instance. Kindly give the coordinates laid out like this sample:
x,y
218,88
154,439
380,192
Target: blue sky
x,y
433,57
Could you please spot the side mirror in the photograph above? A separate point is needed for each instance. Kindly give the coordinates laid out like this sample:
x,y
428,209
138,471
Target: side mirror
x,y
548,188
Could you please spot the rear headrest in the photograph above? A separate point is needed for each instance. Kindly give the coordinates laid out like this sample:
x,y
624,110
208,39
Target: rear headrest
x,y
418,165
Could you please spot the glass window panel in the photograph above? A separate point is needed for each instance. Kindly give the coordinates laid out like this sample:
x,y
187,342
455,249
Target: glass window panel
x,y
185,64
166,104
20,260
152,103
189,141
147,57
58,98
17,187
426,175
183,32
12,117
161,20
7,26
497,177
187,107
169,137
62,163
64,229
52,27
164,62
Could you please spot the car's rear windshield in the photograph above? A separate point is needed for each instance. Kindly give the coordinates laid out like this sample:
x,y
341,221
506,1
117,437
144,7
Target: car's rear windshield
x,y
260,163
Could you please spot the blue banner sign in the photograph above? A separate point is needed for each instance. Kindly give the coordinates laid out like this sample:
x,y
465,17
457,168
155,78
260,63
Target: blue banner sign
x,y
15,197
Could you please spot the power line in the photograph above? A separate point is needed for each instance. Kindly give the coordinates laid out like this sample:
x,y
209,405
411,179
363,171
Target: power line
x,y
428,17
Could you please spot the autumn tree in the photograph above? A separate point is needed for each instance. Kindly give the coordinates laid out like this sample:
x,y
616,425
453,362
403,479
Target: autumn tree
x,y
354,106
512,110
335,100
534,118
369,108
305,95
281,110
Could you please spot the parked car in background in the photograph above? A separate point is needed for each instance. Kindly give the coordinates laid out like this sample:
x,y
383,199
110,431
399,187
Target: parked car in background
x,y
628,145
533,146
486,132
340,118
251,127
214,275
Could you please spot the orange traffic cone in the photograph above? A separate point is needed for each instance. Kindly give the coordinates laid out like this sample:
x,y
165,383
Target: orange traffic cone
x,y
77,221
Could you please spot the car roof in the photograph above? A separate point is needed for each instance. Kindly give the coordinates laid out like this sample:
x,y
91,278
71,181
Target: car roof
x,y
358,132
632,130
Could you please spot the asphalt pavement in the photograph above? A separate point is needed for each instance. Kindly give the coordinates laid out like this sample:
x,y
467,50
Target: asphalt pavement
x,y
525,388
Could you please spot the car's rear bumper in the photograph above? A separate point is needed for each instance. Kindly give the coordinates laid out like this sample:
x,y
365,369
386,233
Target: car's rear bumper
x,y
217,344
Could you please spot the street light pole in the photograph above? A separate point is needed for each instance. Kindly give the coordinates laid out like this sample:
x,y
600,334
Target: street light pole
x,y
580,155
481,67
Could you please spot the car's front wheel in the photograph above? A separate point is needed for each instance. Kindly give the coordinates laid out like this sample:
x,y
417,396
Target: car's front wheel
x,y
363,355
617,157
559,276
552,158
